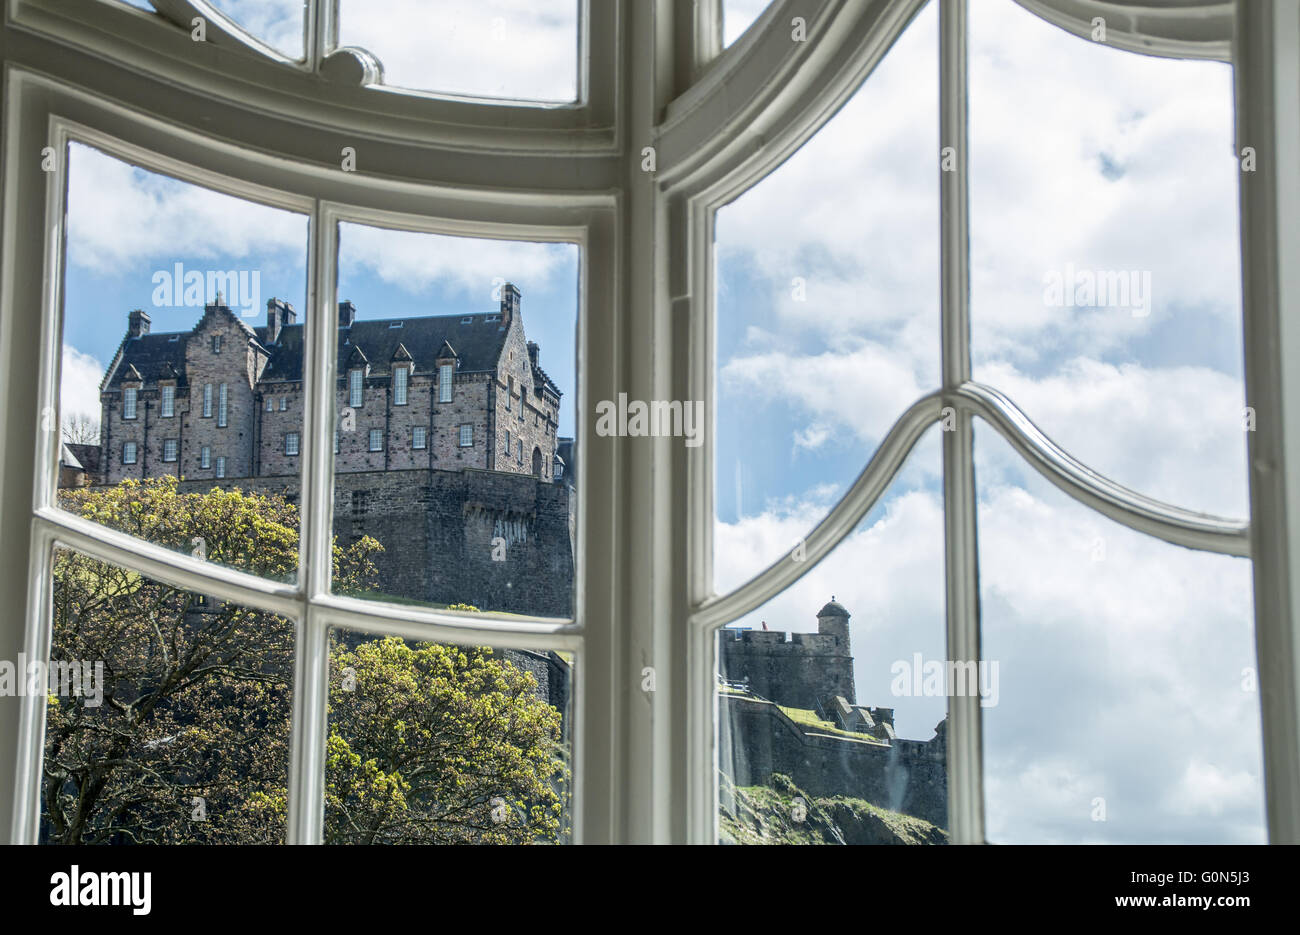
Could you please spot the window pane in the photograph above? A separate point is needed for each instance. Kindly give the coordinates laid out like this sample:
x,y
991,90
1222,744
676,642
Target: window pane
x,y
738,16
459,518
520,49
278,23
168,714
827,308
180,265
837,736
1106,293
436,744
1129,711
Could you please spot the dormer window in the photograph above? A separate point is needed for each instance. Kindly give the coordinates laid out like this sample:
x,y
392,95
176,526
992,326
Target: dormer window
x,y
168,402
395,324
401,376
355,389
445,376
129,395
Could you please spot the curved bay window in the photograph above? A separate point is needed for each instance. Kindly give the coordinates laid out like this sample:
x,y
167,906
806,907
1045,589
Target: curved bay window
x,y
657,425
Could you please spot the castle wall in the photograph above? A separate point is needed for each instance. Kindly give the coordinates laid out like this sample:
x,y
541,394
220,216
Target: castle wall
x,y
907,776
797,672
437,528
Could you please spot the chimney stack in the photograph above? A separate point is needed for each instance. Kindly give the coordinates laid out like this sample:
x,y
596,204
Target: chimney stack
x,y
532,353
137,323
278,314
347,313
509,302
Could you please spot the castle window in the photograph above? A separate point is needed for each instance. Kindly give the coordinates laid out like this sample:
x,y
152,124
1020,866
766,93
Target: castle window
x,y
510,392
168,401
360,502
445,372
400,378
216,343
270,404
221,466
205,457
419,437
520,454
291,443
355,389
507,448
207,400
222,406
284,403
129,396
128,453
169,449
376,439
467,436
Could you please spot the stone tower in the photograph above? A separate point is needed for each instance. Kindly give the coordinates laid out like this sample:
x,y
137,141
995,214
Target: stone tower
x,y
833,620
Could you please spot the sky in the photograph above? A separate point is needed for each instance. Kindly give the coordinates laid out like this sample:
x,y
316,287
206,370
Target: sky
x,y
1123,690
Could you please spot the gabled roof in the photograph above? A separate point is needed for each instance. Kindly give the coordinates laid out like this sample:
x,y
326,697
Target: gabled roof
x,y
474,341
148,359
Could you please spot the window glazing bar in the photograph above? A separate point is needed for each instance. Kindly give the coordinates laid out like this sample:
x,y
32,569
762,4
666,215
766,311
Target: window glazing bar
x,y
961,567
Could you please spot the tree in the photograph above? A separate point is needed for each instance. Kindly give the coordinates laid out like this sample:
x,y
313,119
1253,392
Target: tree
x,y
80,429
190,743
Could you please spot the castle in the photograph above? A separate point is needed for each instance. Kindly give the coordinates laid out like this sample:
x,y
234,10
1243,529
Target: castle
x,y
445,442
787,705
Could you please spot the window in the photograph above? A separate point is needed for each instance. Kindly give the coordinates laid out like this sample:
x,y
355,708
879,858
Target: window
x,y
400,376
519,454
376,440
682,537
419,437
557,469
336,441
510,392
216,343
291,443
507,447
222,410
270,404
445,377
128,402
205,457
284,403
168,401
169,449
128,453
355,391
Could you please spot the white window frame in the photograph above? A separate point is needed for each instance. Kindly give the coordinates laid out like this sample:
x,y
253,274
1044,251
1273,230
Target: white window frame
x,y
171,449
401,381
643,763
356,388
376,440
134,449
270,404
207,400
291,444
466,435
130,403
220,469
223,406
419,438
205,458
446,380
167,409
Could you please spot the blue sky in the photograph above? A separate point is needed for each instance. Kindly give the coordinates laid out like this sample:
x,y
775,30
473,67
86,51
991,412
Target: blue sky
x,y
1121,657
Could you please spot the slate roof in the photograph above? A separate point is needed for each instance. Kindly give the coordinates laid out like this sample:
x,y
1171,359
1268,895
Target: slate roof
x,y
478,341
152,355
86,455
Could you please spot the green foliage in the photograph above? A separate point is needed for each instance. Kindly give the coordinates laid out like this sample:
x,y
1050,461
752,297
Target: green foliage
x,y
190,744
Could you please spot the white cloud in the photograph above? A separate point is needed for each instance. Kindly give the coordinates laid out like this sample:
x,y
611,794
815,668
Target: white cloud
x,y
492,48
79,384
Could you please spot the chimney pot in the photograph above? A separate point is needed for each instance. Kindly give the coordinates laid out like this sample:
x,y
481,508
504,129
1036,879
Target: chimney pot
x,y
137,323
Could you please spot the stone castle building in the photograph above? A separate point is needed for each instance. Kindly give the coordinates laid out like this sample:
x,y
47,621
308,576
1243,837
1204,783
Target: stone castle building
x,y
787,705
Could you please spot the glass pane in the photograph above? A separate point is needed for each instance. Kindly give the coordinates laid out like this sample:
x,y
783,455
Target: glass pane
x,y
827,309
454,451
1129,711
518,49
837,735
168,713
171,429
277,23
436,744
1106,290
738,16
